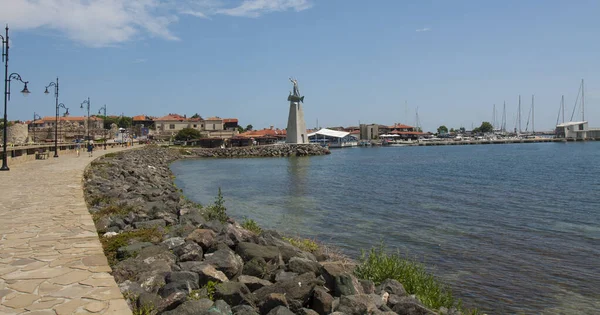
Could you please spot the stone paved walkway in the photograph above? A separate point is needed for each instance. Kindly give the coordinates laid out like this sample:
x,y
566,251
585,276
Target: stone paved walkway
x,y
51,261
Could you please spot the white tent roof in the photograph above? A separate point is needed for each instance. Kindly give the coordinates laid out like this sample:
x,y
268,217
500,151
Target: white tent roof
x,y
329,133
389,136
571,123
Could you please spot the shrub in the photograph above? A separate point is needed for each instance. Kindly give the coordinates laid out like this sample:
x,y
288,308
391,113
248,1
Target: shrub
x,y
377,265
217,211
113,210
304,244
252,226
207,291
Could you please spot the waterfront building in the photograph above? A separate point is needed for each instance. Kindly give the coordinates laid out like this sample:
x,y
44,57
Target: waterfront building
x,y
575,130
333,138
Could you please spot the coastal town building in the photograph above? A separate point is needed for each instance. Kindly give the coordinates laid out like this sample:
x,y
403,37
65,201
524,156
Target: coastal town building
x,y
576,130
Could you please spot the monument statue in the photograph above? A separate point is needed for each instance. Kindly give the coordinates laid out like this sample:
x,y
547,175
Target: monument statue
x,y
295,95
296,128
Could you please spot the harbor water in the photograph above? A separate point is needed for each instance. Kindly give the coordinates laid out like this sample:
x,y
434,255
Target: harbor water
x,y
511,228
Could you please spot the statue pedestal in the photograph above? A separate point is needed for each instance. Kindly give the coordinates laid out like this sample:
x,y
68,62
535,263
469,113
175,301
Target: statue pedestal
x,y
296,127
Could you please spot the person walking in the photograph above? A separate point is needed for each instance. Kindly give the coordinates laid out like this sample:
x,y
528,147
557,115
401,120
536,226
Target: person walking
x,y
78,148
90,149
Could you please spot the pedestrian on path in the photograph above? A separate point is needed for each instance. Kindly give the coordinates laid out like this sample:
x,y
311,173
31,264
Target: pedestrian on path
x,y
90,149
78,148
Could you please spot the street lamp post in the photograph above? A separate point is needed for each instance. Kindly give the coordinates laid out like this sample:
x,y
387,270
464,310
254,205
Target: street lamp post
x,y
103,126
7,79
55,85
88,117
55,129
35,117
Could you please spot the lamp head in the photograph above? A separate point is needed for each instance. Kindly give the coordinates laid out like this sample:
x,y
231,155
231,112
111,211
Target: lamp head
x,y
25,90
81,106
46,92
67,112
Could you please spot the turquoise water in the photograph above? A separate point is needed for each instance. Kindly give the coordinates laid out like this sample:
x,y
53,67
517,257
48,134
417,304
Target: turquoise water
x,y
512,228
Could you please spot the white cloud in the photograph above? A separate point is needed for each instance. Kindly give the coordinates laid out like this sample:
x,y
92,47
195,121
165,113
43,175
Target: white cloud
x,y
99,23
255,8
425,29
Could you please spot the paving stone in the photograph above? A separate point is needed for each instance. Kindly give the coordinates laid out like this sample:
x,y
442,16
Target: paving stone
x,y
21,300
71,277
95,307
44,305
26,286
68,307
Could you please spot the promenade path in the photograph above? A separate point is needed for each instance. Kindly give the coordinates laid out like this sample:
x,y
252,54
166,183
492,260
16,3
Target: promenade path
x,y
51,260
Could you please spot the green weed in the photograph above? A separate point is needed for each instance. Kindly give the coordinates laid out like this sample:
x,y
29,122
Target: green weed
x,y
112,244
217,211
377,265
304,244
252,226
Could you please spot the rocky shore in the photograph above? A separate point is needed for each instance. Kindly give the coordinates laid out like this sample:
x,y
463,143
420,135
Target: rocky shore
x,y
171,256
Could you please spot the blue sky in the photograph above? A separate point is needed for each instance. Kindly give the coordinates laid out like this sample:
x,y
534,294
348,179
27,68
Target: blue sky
x,y
354,60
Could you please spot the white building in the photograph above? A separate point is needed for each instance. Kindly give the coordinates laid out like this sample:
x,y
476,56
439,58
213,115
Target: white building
x,y
577,130
333,138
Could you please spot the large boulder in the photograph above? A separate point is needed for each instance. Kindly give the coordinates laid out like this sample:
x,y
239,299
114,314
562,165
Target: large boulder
x,y
347,284
357,305
272,301
203,237
253,283
249,251
192,307
158,223
407,305
226,261
244,310
206,272
189,251
234,293
321,301
280,310
392,286
303,265
297,289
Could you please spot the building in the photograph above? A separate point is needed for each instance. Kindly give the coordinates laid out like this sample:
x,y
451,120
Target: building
x,y
575,130
142,121
230,124
213,124
172,123
333,138
369,132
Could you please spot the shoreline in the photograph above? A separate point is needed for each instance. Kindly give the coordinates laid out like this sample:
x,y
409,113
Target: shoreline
x,y
144,218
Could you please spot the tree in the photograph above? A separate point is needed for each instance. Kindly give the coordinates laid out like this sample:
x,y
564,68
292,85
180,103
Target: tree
x,y
486,127
249,127
442,129
452,130
188,134
240,129
196,116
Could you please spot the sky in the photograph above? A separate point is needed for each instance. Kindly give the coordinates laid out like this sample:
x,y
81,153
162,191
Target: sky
x,y
355,61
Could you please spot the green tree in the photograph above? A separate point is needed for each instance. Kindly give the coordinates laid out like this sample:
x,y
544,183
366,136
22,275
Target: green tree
x,y
486,127
195,116
188,134
249,127
442,129
240,129
452,130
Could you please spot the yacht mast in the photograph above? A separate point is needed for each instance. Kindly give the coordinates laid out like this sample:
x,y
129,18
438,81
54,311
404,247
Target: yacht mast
x,y
532,115
582,102
562,104
504,118
519,115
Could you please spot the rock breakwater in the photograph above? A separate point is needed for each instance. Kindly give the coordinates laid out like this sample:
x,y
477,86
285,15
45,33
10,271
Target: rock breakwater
x,y
171,256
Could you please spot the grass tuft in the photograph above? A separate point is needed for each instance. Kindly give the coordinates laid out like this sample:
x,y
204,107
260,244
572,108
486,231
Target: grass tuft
x,y
113,210
206,292
112,244
377,265
252,226
304,244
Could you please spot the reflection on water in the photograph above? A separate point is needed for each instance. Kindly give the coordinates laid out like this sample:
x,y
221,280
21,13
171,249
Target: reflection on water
x,y
512,228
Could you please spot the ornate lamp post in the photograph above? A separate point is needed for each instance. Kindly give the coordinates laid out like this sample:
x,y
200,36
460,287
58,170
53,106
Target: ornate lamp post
x,y
88,117
7,79
55,85
35,117
103,126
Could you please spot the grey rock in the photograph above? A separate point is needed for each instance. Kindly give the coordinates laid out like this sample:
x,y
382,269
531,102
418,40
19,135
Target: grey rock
x,y
188,280
368,286
173,242
226,261
303,265
244,310
192,307
299,288
283,275
203,237
272,301
149,300
102,224
321,302
357,305
347,284
392,286
249,251
410,306
220,308
256,267
190,251
306,311
172,301
206,272
330,270
253,283
234,293
150,224
280,310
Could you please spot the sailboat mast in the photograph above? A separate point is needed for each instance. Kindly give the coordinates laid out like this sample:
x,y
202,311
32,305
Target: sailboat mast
x,y
562,104
532,115
504,118
519,115
582,102
494,119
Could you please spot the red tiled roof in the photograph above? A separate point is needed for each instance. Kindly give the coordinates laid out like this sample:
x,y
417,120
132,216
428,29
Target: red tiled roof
x,y
400,126
141,118
263,133
213,118
69,118
172,117
230,120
